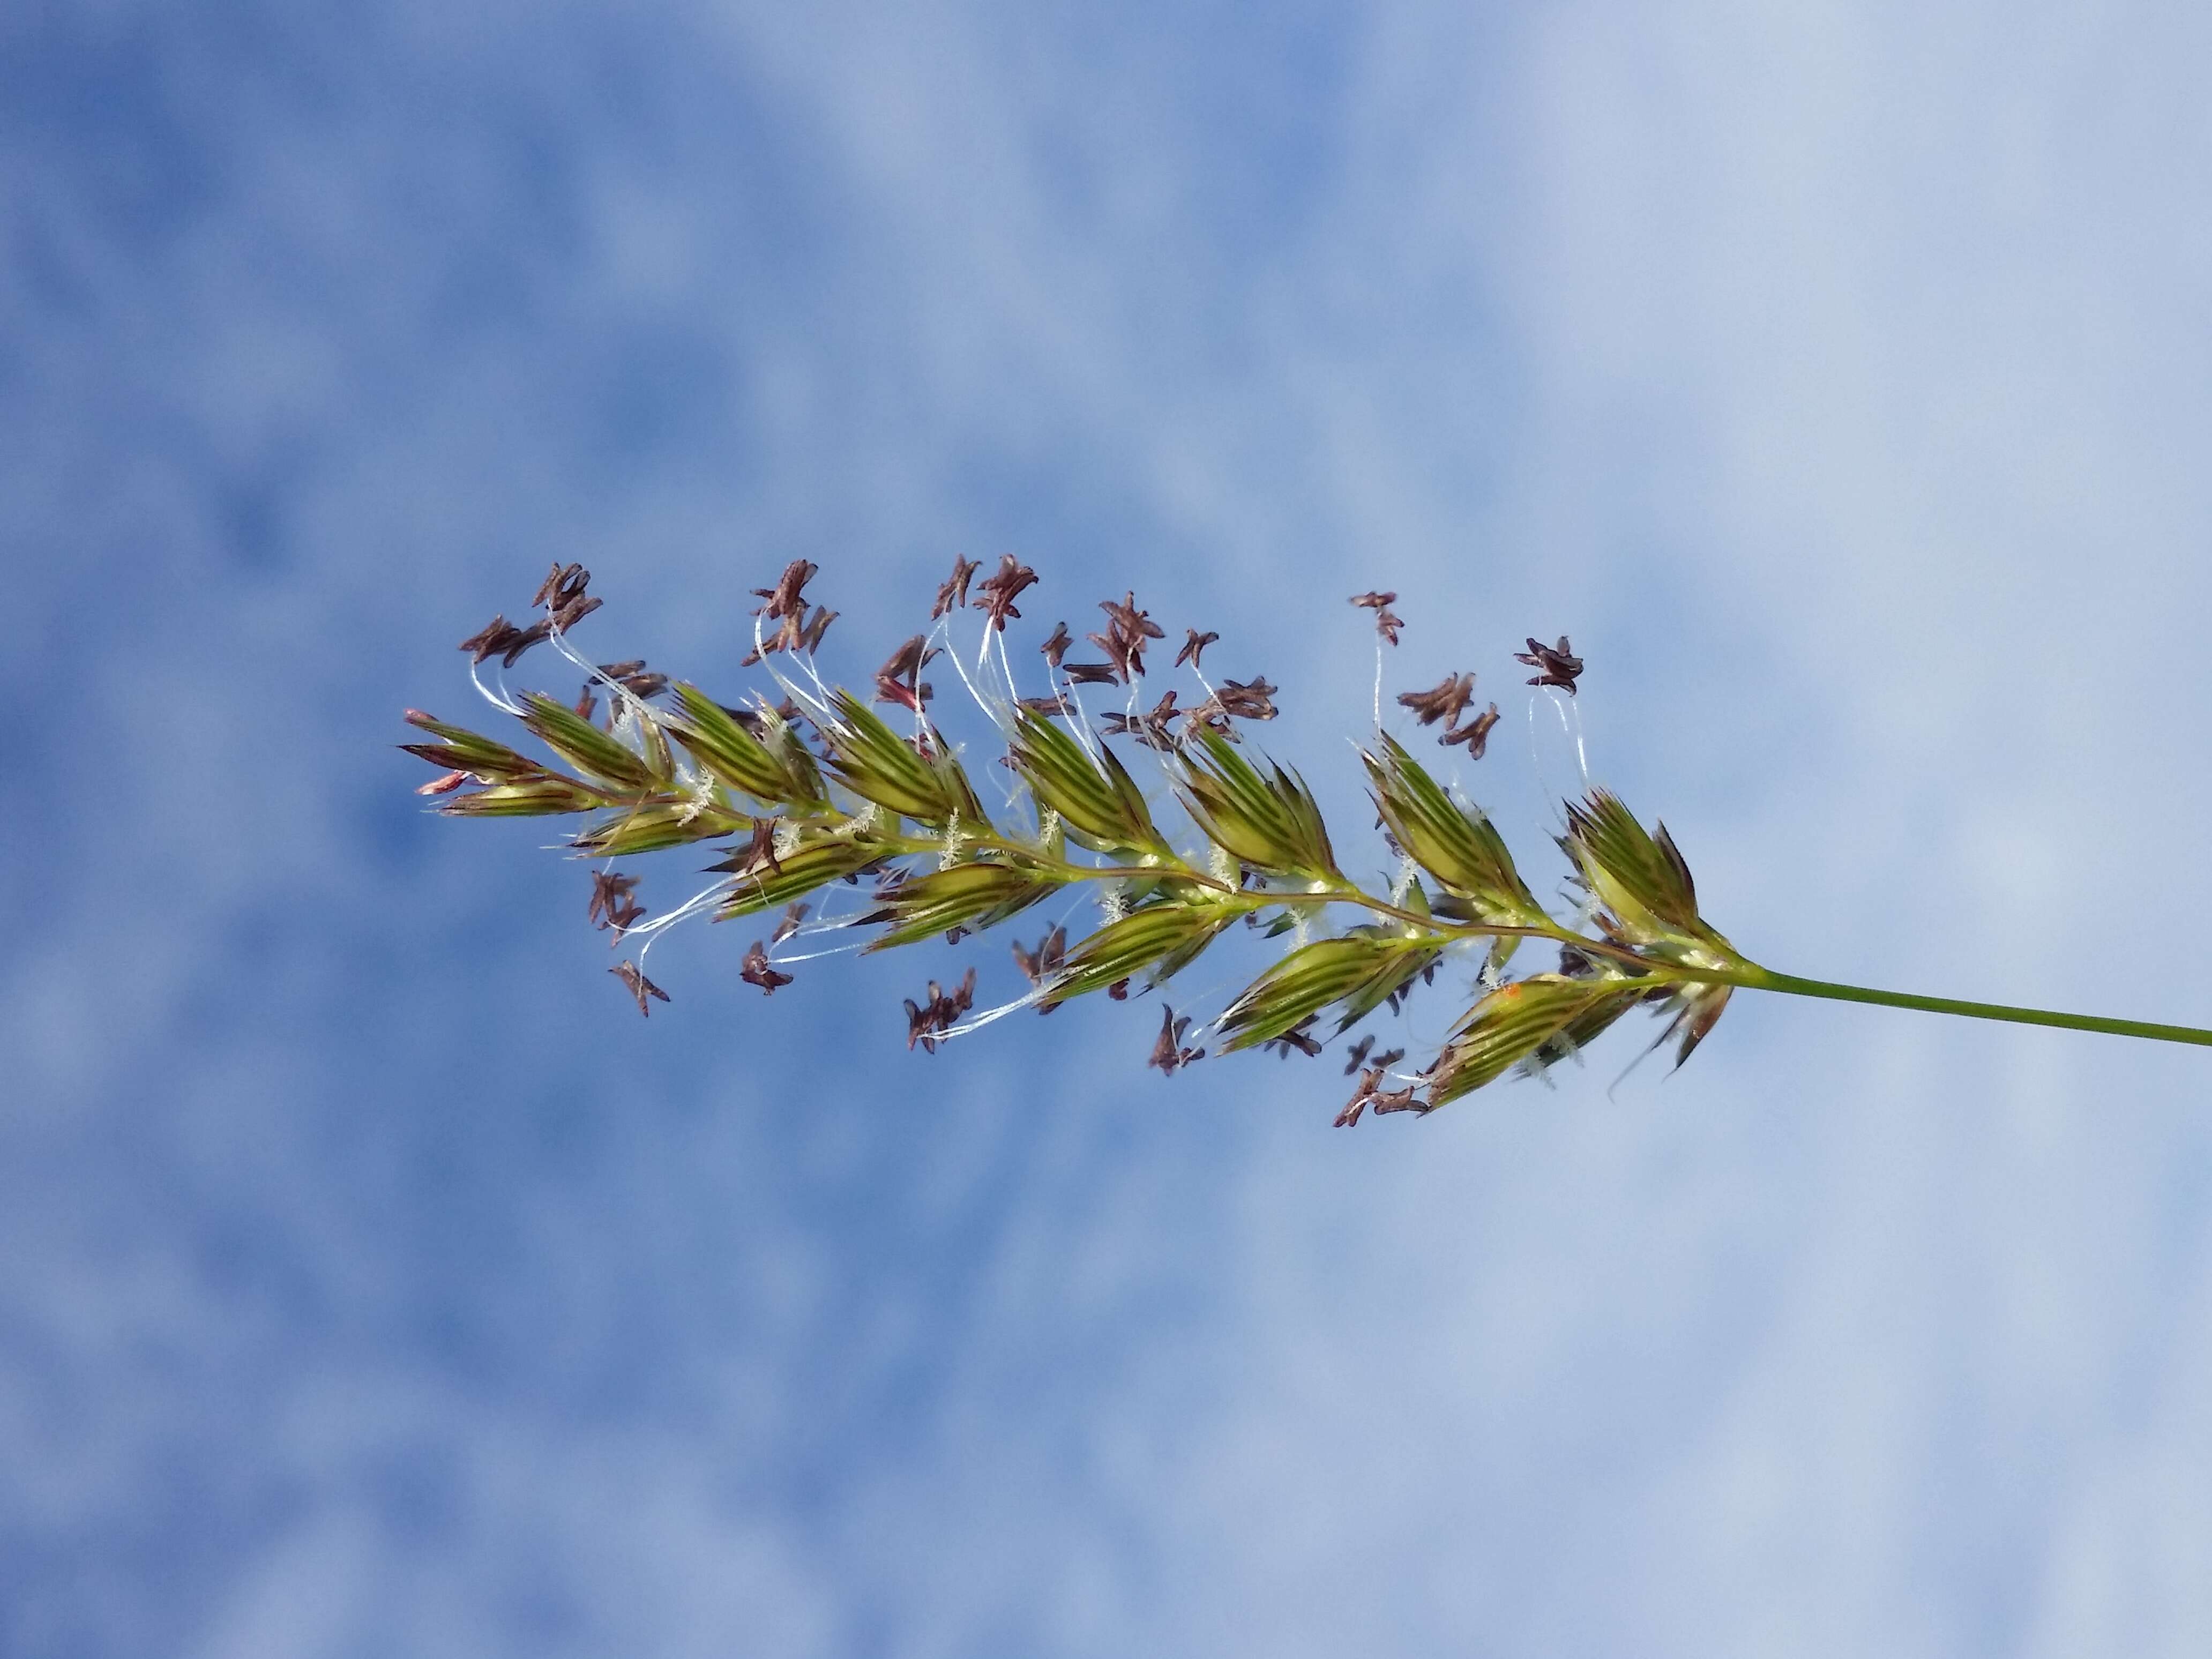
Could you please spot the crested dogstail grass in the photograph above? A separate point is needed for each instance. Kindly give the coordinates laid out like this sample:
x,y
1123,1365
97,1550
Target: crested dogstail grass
x,y
861,831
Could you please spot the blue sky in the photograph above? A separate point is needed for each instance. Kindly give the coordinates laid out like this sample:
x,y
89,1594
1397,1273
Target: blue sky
x,y
377,1282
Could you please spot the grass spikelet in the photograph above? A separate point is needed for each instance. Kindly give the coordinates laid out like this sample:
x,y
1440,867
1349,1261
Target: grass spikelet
x,y
1269,821
1162,937
1360,969
586,748
1097,801
872,761
738,760
1460,847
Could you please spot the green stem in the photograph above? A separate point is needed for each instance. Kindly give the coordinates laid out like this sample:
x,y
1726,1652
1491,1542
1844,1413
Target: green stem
x,y
1550,930
914,846
1764,979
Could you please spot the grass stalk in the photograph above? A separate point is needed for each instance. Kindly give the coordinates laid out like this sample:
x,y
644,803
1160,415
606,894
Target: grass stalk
x,y
1764,979
823,789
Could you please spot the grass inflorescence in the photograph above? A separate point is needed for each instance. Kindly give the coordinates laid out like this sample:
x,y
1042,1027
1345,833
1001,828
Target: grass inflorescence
x,y
812,793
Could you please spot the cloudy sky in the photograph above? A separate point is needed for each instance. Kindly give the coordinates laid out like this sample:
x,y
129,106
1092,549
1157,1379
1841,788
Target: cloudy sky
x,y
373,1280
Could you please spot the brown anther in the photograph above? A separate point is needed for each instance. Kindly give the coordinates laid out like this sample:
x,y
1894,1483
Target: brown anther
x,y
928,1020
1118,656
1057,647
1149,728
1252,701
756,723
788,636
632,677
1356,1055
759,852
1001,590
953,593
760,847
1126,630
788,598
641,988
609,890
587,704
755,970
1386,623
1054,705
1370,1081
1443,702
1125,616
809,638
523,639
1556,665
1398,1100
563,584
1194,646
444,786
574,611
793,913
1299,1036
1212,715
899,679
1475,734
1089,674
1040,964
1118,991
494,637
1168,1052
